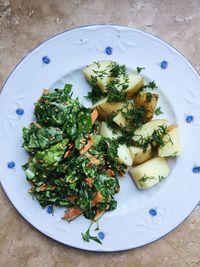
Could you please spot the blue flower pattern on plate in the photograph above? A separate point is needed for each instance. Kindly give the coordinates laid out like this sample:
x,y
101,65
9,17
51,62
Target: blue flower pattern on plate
x,y
189,118
50,209
11,165
196,169
108,50
153,212
164,64
101,235
19,111
46,60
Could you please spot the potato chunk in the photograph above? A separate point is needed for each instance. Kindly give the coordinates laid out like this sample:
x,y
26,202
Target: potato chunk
x,y
99,71
124,155
150,172
172,146
105,131
148,128
139,156
105,108
148,101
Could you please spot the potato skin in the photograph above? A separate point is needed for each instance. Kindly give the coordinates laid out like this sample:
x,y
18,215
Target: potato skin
x,y
105,108
139,156
172,145
136,81
141,100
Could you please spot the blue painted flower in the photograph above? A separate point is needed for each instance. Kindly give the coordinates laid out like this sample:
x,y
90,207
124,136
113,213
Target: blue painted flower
x,y
108,50
196,169
19,111
46,60
50,209
11,164
189,118
164,64
153,212
101,235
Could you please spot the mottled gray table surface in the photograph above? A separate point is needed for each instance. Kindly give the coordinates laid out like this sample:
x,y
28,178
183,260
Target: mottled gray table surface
x,y
23,25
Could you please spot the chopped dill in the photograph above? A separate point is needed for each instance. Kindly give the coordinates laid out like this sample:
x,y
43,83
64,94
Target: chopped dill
x,y
149,96
158,111
139,69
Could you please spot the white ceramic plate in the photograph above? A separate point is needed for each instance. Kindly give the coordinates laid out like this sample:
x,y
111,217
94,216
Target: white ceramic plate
x,y
141,216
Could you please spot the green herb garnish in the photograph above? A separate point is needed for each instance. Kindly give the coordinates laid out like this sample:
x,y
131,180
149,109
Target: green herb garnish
x,y
158,111
139,69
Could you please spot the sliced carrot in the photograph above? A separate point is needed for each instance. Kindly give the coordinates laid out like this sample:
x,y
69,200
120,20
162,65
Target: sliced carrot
x,y
87,146
110,172
72,198
93,159
89,181
43,187
72,213
98,215
97,198
94,116
67,153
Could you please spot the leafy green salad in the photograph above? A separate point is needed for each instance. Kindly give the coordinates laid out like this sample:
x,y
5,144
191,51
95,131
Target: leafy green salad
x,y
70,164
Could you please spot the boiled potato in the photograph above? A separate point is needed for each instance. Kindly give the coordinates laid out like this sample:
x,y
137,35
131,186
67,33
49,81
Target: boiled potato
x,y
139,156
172,146
119,119
124,155
135,81
105,131
148,128
105,108
148,101
101,71
150,172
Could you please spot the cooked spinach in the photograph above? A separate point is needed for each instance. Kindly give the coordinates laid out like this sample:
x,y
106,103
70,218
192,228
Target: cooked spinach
x,y
59,173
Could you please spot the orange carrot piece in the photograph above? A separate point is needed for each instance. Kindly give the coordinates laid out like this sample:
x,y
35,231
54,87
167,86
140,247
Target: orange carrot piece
x,y
89,181
87,146
110,172
72,213
43,187
71,198
93,159
97,198
66,154
94,116
99,213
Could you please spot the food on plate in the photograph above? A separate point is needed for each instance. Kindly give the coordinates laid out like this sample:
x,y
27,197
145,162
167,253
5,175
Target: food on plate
x,y
77,154
132,123
70,164
150,172
172,146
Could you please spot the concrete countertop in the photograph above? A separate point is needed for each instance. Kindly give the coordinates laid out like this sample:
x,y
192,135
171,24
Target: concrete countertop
x,y
25,24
